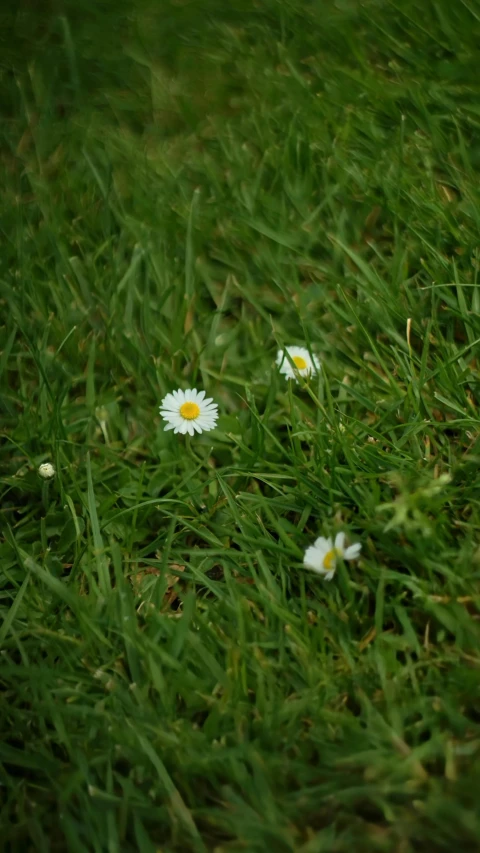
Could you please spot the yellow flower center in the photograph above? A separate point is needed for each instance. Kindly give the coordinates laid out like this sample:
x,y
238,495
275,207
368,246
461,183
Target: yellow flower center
x,y
299,362
329,559
189,411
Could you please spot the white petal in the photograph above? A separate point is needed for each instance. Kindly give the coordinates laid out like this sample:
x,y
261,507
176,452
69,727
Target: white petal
x,y
313,559
208,417
172,417
340,542
287,368
200,396
329,575
190,428
298,351
323,543
168,402
169,426
353,551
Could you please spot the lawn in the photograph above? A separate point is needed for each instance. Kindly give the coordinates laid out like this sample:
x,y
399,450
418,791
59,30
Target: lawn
x,y
187,189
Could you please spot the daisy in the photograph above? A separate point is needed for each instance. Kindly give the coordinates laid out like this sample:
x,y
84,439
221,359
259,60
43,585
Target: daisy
x,y
305,364
322,556
189,411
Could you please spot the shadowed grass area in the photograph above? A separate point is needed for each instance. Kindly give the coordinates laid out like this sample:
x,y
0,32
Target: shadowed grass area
x,y
188,188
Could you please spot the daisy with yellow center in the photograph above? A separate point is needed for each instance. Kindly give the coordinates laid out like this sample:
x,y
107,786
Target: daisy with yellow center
x,y
189,412
299,363
322,556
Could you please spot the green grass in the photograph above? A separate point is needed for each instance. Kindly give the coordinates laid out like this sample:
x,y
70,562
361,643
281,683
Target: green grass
x,y
188,187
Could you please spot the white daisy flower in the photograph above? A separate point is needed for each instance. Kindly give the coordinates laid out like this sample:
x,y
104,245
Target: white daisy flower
x,y
322,556
46,470
189,411
305,364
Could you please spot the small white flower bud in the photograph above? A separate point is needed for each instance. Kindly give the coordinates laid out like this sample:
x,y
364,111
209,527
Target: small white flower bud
x,y
46,470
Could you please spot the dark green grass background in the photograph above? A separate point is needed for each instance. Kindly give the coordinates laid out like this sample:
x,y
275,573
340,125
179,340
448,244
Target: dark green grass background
x,y
187,187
